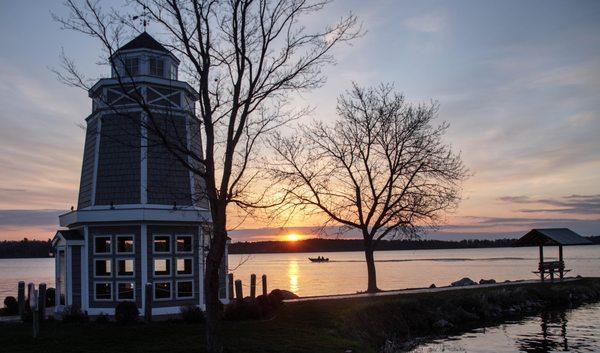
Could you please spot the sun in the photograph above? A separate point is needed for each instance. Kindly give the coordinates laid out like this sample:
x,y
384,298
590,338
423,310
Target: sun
x,y
292,237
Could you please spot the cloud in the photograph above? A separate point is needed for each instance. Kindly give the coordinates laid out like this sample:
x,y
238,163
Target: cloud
x,y
572,204
23,218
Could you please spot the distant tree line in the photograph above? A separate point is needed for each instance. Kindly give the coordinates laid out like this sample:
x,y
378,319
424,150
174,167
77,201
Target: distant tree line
x,y
333,245
12,249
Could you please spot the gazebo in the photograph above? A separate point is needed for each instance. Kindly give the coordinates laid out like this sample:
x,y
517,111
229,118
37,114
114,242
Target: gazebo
x,y
552,237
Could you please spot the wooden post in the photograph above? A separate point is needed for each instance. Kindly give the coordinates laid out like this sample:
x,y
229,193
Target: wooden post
x,y
30,288
541,266
42,301
33,304
21,299
239,295
148,302
253,286
264,285
230,285
562,263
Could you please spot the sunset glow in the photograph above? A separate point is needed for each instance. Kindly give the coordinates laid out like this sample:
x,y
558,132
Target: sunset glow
x,y
292,237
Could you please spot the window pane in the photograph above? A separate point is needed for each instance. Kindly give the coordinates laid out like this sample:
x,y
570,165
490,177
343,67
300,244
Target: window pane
x,y
125,267
132,66
162,290
102,245
125,291
185,289
157,67
162,267
103,267
125,244
184,243
184,266
162,244
103,291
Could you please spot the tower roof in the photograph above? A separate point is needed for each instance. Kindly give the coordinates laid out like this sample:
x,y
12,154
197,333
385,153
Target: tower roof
x,y
144,41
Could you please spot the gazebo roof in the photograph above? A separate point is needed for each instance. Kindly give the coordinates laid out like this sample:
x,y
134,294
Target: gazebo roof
x,y
552,236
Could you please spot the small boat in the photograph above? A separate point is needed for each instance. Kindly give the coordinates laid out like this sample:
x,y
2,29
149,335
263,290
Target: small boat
x,y
319,259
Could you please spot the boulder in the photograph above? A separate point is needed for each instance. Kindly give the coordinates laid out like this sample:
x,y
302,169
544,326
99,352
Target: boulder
x,y
466,281
487,281
432,285
279,295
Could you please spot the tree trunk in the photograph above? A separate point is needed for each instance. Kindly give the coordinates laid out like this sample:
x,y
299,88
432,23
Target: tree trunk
x,y
371,271
211,285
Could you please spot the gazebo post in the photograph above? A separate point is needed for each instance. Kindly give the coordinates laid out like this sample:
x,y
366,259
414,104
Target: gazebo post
x,y
541,265
561,269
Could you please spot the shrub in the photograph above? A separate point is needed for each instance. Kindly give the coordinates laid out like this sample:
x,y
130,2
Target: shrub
x,y
50,297
11,306
126,312
191,314
102,318
74,314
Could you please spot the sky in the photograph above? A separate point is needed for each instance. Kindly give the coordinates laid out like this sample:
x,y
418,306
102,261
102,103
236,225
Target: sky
x,y
518,81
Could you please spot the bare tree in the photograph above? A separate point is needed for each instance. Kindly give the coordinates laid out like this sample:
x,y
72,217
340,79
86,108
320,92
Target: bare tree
x,y
381,169
245,58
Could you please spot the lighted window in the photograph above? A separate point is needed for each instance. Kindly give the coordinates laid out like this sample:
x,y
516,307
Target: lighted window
x,y
184,243
102,268
185,289
162,290
103,291
184,266
125,291
162,267
162,244
132,66
125,267
102,245
125,244
157,67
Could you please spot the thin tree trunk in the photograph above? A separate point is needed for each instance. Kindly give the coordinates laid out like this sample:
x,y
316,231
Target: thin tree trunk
x,y
371,271
214,258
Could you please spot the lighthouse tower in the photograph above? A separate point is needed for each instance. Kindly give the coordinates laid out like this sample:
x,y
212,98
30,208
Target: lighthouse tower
x,y
142,216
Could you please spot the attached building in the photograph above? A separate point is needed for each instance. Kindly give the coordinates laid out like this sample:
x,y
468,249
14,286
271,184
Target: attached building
x,y
142,216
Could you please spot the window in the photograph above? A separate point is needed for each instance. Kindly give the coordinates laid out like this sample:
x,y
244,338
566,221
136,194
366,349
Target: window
x,y
103,291
125,244
102,245
184,266
102,268
157,67
125,267
162,244
184,243
162,290
162,267
132,66
125,291
185,289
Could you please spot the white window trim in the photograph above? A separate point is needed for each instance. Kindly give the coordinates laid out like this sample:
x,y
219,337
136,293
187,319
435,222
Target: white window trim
x,y
186,274
177,296
170,267
110,251
117,290
191,247
132,236
154,236
154,291
117,267
111,291
111,268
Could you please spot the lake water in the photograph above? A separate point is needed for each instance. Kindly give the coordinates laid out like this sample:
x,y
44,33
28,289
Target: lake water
x,y
560,331
346,271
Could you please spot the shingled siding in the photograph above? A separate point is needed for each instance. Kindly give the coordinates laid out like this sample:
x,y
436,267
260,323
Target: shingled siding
x,y
168,178
87,170
118,176
173,231
200,198
137,278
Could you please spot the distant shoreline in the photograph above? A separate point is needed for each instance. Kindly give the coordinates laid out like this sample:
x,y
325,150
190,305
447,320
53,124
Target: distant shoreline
x,y
23,249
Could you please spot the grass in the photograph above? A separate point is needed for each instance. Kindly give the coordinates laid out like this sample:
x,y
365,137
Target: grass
x,y
359,324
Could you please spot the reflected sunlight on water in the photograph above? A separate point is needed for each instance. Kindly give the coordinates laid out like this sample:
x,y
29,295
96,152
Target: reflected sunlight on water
x,y
293,275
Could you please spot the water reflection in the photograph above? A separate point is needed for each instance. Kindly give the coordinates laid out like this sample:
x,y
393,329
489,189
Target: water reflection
x,y
552,335
293,272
